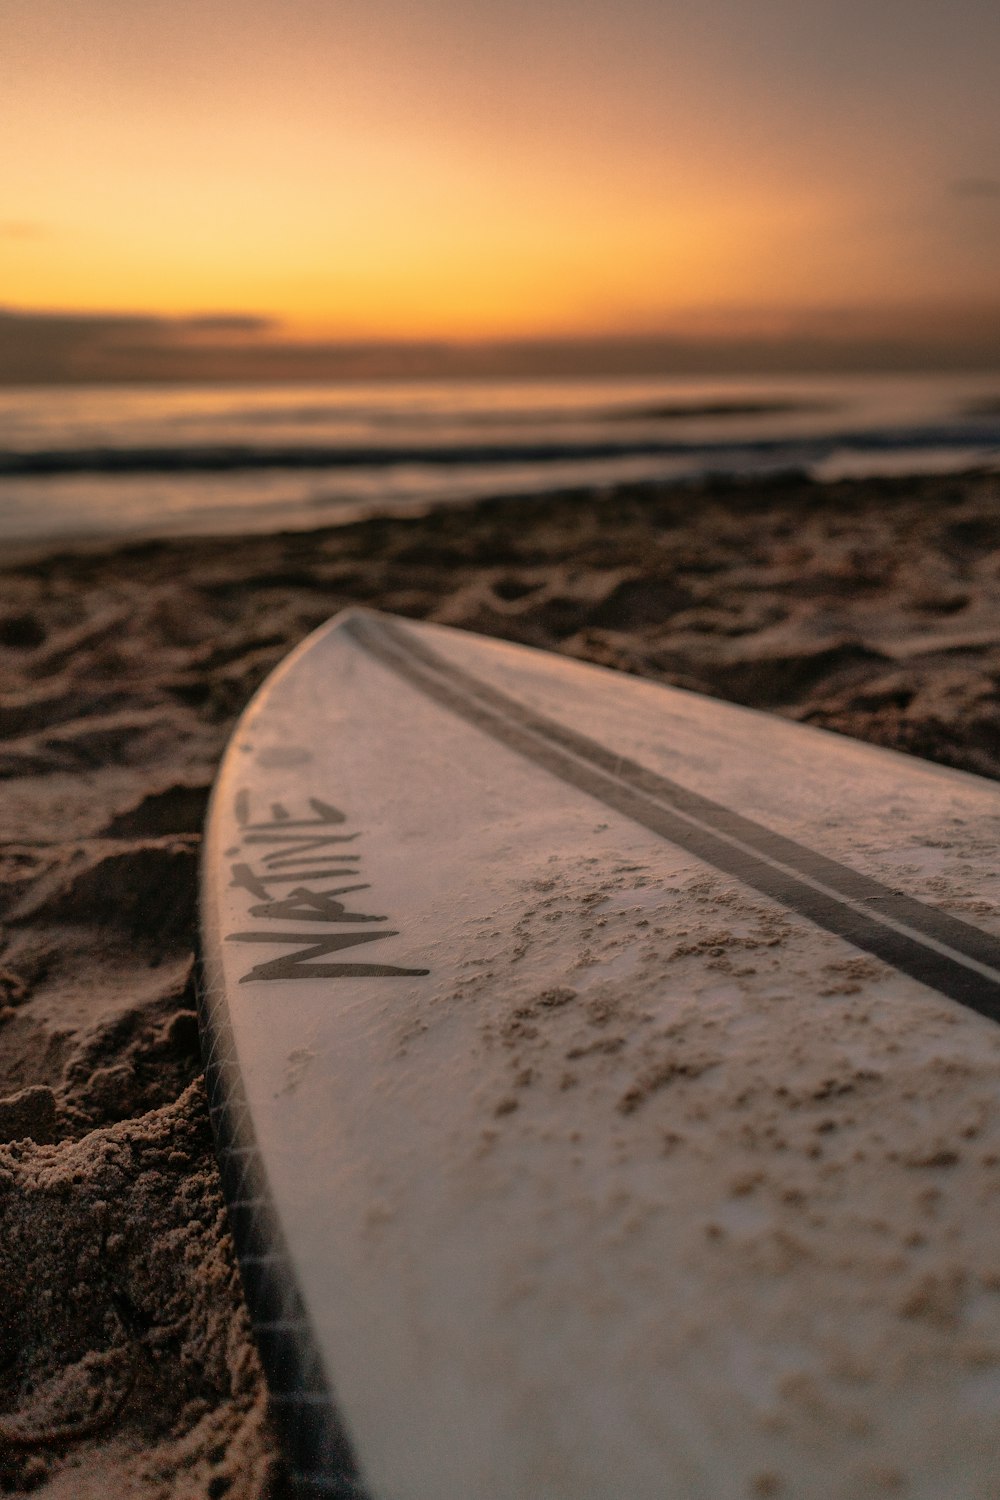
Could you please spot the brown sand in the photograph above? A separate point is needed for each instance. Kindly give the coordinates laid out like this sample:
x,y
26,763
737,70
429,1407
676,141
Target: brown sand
x,y
125,1360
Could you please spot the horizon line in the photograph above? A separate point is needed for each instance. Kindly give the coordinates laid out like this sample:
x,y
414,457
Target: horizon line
x,y
82,347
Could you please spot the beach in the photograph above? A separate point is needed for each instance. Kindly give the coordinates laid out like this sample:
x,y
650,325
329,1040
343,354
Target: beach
x,y
868,607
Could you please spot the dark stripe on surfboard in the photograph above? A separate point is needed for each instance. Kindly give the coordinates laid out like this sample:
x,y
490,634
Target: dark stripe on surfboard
x,y
950,956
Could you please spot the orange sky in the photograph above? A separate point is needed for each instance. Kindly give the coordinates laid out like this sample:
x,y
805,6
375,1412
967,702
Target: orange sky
x,y
442,168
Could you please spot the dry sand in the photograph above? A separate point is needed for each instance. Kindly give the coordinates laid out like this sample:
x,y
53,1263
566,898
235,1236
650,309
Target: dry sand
x,y
126,1365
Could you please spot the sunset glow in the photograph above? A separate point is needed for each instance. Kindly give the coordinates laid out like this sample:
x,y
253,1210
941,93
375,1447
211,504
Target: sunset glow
x,y
435,172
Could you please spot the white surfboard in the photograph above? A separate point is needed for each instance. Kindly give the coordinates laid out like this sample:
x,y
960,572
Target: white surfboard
x,y
607,1084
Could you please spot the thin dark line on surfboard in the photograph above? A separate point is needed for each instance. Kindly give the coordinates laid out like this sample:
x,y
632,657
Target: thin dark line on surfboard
x,y
941,951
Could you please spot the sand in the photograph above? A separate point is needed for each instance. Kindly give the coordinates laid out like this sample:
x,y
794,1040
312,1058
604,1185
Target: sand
x,y
126,1365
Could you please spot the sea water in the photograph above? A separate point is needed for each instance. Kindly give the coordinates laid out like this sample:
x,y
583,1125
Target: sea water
x,y
118,461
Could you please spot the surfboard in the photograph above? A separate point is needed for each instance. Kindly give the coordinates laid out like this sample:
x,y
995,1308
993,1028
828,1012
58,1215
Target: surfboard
x,y
605,1083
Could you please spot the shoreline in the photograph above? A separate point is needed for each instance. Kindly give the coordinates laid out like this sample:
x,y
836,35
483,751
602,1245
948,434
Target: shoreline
x,y
869,607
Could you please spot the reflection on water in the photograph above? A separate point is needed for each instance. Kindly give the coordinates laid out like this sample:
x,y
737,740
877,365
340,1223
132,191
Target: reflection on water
x,y
137,460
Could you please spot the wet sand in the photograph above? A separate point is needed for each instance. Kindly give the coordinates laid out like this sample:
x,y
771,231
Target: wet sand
x,y
872,608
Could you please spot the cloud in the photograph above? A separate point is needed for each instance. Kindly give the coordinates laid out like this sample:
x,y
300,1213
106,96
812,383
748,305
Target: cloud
x,y
58,347
59,324
225,323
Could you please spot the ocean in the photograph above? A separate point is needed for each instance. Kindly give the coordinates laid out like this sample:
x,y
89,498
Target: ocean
x,y
96,462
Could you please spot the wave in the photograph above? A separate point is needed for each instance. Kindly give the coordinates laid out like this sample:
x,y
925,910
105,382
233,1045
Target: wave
x,y
682,411
219,458
334,412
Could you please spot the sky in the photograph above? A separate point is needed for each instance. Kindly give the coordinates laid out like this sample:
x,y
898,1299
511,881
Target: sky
x,y
335,172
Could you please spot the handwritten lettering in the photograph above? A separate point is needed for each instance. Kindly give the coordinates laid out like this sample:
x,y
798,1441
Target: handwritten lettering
x,y
280,858
314,906
301,966
324,813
